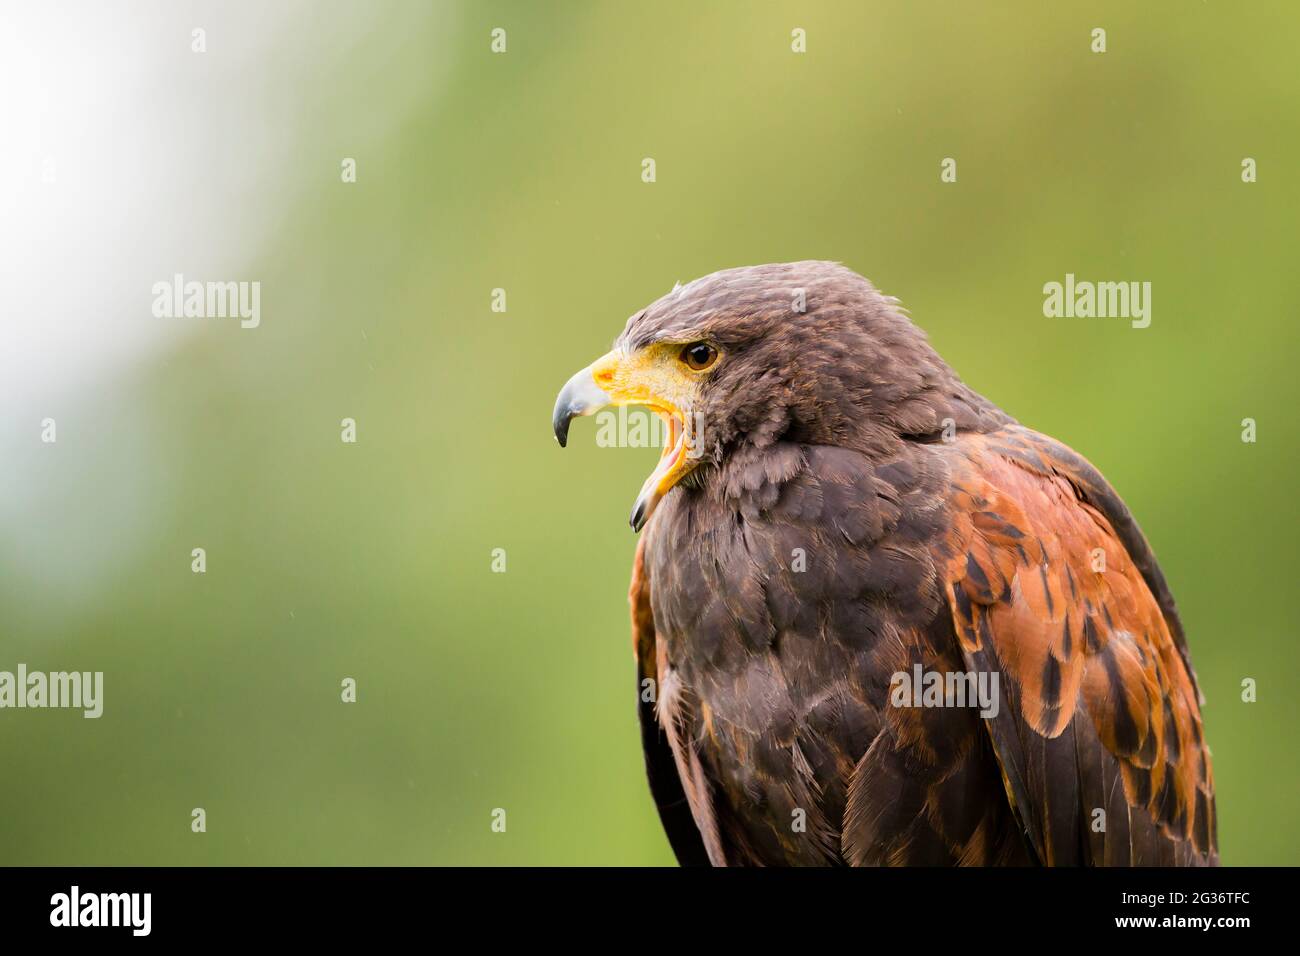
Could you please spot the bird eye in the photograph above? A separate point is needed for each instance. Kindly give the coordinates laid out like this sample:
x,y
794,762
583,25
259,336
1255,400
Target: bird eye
x,y
699,355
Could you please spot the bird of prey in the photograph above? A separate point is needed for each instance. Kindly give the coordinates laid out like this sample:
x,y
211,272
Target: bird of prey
x,y
837,515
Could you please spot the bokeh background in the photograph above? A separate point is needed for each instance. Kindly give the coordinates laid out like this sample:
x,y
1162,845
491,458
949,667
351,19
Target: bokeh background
x,y
128,158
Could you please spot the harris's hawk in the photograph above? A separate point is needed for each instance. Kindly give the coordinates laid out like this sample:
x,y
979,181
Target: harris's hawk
x,y
837,516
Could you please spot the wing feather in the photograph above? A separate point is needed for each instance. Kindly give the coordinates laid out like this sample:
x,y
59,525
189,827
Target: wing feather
x,y
1051,584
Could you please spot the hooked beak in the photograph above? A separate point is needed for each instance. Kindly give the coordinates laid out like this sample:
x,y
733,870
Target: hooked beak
x,y
616,380
580,396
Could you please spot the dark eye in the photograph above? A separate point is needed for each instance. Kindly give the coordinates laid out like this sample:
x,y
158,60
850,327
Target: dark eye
x,y
699,355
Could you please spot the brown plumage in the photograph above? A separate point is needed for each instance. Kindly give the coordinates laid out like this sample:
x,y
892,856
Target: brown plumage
x,y
854,510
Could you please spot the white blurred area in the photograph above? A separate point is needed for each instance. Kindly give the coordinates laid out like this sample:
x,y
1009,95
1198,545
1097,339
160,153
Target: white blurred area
x,y
127,157
101,140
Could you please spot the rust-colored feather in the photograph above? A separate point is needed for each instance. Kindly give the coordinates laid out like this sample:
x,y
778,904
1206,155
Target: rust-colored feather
x,y
1038,576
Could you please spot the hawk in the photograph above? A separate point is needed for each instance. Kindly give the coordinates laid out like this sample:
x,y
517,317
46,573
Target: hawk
x,y
836,515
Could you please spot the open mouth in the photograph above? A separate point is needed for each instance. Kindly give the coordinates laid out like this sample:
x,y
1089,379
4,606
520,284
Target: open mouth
x,y
673,465
592,389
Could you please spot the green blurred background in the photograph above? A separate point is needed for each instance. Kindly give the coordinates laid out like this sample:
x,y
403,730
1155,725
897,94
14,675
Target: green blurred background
x,y
521,171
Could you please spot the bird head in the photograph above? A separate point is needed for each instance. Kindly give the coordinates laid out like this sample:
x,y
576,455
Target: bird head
x,y
741,359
